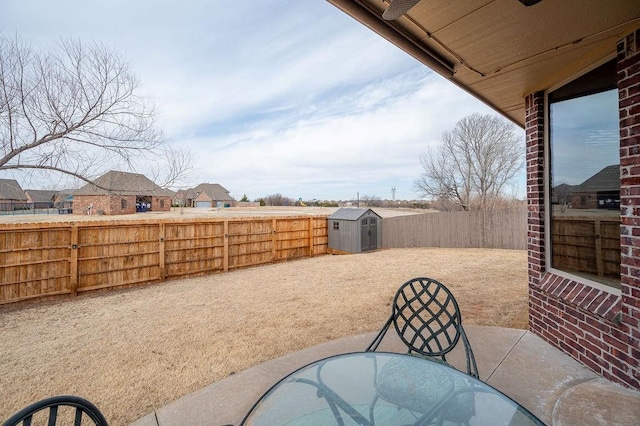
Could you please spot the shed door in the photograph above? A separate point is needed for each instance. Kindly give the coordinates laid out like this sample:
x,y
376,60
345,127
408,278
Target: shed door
x,y
369,229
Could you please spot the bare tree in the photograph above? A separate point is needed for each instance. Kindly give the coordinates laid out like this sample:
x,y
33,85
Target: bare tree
x,y
278,200
73,109
371,200
475,163
172,167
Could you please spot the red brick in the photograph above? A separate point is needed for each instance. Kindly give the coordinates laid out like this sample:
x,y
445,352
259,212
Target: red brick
x,y
598,342
615,342
597,301
569,291
582,294
629,81
599,324
590,347
575,331
591,364
568,348
112,205
595,332
617,362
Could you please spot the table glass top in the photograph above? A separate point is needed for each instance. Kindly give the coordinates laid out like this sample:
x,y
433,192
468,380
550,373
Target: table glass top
x,y
385,389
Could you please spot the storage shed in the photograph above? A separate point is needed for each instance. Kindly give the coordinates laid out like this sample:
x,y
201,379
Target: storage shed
x,y
355,230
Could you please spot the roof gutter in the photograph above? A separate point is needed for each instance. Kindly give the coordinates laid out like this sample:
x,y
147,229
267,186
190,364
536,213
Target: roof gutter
x,y
371,19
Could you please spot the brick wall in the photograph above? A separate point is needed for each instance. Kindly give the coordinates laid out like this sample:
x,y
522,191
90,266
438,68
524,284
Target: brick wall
x,y
534,133
629,95
161,204
599,328
112,205
109,205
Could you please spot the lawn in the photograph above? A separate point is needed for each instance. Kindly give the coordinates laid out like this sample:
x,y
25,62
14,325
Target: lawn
x,y
134,350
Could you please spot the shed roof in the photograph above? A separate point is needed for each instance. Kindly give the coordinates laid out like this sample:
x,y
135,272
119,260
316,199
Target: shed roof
x,y
123,183
10,189
350,213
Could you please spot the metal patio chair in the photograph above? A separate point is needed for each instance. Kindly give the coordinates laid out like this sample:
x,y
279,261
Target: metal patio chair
x,y
427,319
83,410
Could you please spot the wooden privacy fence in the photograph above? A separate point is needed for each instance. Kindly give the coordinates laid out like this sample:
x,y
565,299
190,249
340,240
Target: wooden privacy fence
x,y
587,244
47,259
505,229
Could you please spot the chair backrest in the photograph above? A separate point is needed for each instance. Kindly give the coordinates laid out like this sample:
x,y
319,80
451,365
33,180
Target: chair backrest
x,y
80,409
426,317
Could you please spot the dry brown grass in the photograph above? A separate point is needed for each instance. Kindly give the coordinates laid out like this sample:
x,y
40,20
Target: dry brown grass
x,y
132,351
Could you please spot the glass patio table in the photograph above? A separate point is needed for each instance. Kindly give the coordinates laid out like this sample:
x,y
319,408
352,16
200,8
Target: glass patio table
x,y
368,388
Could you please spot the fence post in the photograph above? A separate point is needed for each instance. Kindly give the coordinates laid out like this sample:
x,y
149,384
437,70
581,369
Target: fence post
x,y
274,226
225,254
73,267
163,273
597,230
311,237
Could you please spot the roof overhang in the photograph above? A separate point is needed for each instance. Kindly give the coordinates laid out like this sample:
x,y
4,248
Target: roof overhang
x,y
500,51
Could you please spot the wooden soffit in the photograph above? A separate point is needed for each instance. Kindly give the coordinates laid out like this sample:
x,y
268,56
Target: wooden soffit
x,y
500,50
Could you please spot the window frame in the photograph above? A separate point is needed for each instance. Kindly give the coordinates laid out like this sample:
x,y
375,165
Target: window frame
x,y
547,193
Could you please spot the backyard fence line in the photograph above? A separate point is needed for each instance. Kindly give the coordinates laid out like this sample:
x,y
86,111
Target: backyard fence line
x,y
66,258
505,229
48,259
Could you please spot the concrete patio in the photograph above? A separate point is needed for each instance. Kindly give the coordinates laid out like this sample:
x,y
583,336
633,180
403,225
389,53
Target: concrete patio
x,y
552,385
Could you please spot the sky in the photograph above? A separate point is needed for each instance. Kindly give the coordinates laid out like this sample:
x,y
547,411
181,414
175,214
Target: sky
x,y
272,96
585,137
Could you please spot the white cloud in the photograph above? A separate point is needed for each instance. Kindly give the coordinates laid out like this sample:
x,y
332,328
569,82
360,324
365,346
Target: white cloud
x,y
271,95
369,138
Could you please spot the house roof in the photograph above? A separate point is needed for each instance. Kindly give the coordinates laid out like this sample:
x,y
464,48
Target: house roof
x,y
10,189
123,183
607,179
213,191
41,195
499,50
350,214
185,194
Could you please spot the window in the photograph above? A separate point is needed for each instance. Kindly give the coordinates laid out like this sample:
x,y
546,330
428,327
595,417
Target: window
x,y
584,177
123,203
161,203
336,226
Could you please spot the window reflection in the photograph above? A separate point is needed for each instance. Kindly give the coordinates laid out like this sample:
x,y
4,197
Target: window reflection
x,y
585,184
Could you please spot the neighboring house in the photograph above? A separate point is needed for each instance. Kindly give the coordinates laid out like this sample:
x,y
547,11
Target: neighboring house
x,y
11,195
117,193
561,194
40,199
600,191
568,72
212,195
184,197
64,198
